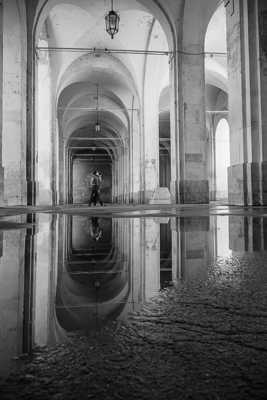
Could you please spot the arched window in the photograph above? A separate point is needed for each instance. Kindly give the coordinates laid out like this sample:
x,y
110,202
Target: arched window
x,y
222,156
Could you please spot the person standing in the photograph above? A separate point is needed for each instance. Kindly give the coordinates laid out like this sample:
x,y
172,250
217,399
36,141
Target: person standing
x,y
95,193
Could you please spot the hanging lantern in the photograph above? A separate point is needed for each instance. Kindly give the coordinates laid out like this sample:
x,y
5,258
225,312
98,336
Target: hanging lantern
x,y
112,22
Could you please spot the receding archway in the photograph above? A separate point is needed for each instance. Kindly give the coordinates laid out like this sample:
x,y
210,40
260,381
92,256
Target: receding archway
x,y
58,26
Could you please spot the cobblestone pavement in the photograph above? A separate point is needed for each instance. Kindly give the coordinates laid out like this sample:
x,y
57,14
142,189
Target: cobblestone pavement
x,y
204,339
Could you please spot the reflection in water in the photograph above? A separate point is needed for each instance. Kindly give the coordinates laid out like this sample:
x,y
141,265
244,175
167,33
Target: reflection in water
x,y
165,254
75,274
222,240
92,284
95,230
16,279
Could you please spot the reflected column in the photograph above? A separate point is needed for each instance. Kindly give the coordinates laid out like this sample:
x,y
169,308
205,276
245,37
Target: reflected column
x,y
11,295
29,285
190,247
152,258
176,250
44,279
137,262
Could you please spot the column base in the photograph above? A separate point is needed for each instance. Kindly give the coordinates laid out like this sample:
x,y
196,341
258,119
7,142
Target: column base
x,y
248,184
2,177
174,192
161,195
194,192
148,195
136,196
213,195
31,192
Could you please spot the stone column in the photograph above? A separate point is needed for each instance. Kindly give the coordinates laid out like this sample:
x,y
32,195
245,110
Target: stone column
x,y
44,126
136,157
1,105
257,27
120,176
70,177
194,184
31,154
14,103
238,147
151,133
247,65
54,155
174,132
63,165
151,93
127,186
114,180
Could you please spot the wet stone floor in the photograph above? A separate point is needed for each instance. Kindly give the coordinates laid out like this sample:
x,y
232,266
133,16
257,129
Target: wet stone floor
x,y
135,308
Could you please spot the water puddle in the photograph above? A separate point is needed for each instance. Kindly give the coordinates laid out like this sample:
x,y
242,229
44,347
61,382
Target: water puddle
x,y
68,276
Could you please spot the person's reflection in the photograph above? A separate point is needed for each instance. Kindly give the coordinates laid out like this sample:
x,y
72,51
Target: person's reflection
x,y
95,230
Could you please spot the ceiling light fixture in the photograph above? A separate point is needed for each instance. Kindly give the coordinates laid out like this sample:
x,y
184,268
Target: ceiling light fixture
x,y
97,125
112,20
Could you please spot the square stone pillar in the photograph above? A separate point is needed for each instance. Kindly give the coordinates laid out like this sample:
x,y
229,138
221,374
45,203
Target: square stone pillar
x,y
1,185
194,177
1,106
247,66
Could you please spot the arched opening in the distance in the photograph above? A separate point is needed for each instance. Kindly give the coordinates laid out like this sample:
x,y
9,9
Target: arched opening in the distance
x,y
222,156
164,139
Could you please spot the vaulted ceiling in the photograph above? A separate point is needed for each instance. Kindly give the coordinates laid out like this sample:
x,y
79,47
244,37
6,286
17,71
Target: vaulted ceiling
x,y
119,75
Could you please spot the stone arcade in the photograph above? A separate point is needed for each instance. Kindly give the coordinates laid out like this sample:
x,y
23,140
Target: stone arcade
x,y
167,80
161,293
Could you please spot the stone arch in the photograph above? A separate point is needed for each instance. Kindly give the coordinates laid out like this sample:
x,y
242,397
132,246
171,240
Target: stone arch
x,y
201,12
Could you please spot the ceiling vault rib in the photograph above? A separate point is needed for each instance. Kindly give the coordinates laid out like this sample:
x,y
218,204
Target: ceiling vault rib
x,y
104,51
95,109
93,50
94,138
